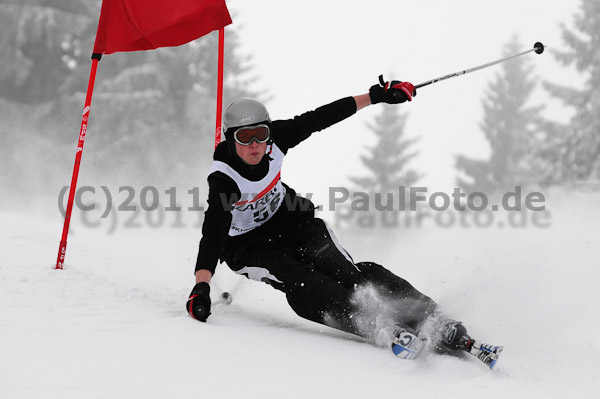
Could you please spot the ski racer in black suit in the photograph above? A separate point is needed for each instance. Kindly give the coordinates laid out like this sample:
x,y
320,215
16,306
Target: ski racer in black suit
x,y
264,231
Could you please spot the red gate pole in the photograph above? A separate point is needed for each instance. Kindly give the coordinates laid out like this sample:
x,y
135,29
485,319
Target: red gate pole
x,y
221,63
62,249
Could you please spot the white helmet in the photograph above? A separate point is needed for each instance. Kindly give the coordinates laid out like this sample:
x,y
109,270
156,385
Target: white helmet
x,y
245,112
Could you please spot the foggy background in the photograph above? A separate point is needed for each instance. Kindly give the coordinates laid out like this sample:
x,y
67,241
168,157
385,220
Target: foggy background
x,y
529,122
113,324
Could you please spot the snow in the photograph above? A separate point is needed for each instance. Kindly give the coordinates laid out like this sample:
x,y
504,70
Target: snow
x,y
113,324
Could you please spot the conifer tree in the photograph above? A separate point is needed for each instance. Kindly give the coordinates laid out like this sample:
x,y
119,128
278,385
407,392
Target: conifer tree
x,y
153,112
511,128
572,151
387,162
41,45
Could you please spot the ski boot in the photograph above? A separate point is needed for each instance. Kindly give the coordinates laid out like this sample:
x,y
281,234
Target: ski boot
x,y
453,335
408,345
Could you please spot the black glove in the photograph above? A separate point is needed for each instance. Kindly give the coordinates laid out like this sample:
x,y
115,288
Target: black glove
x,y
394,92
198,304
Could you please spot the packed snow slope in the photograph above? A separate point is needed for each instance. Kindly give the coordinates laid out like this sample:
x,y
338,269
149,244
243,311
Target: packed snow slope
x,y
113,324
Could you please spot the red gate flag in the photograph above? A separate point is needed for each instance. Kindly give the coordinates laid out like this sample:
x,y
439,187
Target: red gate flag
x,y
131,25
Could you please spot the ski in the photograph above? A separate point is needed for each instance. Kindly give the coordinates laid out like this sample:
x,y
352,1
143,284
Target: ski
x,y
407,345
487,353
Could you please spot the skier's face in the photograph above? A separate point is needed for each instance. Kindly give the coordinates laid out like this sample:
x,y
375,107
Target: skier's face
x,y
251,154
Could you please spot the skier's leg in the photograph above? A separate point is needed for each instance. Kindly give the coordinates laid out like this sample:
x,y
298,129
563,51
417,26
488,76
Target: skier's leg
x,y
413,307
382,301
311,294
316,244
419,312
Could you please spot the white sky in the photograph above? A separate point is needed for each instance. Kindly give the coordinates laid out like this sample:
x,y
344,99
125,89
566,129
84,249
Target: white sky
x,y
306,54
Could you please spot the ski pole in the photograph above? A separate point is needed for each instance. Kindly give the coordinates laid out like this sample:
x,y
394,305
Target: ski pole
x,y
225,298
537,47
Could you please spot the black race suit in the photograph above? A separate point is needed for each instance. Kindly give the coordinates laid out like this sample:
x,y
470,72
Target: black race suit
x,y
295,252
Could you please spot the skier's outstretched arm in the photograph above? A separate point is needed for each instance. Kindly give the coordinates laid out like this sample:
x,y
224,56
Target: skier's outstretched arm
x,y
290,132
362,101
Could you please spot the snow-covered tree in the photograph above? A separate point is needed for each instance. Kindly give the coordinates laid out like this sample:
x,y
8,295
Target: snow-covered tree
x,y
375,196
41,45
388,160
573,150
153,112
511,127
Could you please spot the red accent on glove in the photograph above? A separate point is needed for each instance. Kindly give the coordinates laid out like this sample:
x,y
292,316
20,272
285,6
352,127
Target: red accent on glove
x,y
191,302
407,87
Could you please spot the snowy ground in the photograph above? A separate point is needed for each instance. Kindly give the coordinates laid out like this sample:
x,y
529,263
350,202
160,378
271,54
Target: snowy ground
x,y
113,325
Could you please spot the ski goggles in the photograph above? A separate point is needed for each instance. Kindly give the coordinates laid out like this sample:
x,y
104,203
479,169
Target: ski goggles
x,y
247,134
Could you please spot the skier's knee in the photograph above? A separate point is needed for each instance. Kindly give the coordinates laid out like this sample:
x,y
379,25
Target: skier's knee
x,y
394,285
375,273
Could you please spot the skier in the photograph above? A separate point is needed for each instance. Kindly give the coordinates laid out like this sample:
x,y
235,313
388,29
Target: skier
x,y
264,231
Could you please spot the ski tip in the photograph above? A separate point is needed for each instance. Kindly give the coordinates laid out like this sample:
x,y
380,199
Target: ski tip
x,y
493,363
497,352
487,353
